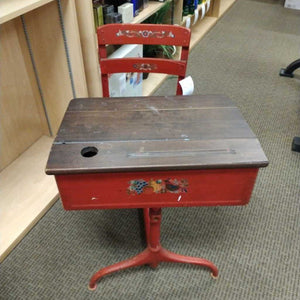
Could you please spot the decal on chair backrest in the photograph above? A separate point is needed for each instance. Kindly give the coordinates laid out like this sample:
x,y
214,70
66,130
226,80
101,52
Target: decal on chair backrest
x,y
145,67
145,33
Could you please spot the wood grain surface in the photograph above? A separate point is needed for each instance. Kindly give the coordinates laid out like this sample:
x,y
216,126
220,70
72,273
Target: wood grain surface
x,y
154,133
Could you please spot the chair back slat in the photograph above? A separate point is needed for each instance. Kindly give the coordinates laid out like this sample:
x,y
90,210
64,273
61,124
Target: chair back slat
x,y
150,34
149,65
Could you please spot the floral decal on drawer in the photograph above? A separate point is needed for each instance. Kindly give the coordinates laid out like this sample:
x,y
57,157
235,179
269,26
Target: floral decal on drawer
x,y
140,186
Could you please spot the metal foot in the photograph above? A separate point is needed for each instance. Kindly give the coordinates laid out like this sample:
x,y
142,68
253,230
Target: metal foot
x,y
296,144
288,71
283,72
92,288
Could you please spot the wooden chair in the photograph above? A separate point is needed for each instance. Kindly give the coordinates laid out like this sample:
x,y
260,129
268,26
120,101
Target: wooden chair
x,y
146,34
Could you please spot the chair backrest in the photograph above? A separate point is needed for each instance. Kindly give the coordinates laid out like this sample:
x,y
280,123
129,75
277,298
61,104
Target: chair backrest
x,y
145,34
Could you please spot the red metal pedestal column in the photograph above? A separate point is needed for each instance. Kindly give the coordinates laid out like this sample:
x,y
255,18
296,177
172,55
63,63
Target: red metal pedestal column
x,y
154,253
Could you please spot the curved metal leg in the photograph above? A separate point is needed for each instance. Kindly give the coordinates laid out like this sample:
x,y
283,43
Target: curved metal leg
x,y
138,260
169,256
288,71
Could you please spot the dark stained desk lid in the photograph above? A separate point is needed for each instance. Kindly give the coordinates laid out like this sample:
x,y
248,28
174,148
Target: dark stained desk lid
x,y
153,133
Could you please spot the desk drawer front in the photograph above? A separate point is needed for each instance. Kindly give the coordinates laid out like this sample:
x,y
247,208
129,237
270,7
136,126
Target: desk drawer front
x,y
157,189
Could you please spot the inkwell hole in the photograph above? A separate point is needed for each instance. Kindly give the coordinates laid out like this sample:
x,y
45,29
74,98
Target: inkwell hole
x,y
89,151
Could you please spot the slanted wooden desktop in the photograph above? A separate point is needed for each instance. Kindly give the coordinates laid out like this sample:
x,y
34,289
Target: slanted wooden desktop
x,y
151,153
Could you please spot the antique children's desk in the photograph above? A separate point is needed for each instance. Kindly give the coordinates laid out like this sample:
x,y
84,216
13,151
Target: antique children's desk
x,y
151,153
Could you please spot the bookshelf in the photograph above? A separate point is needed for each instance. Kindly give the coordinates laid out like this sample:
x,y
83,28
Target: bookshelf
x,y
199,29
89,39
27,192
48,50
35,91
11,9
152,7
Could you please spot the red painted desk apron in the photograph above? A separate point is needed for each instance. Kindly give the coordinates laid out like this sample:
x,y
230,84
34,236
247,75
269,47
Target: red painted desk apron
x,y
154,152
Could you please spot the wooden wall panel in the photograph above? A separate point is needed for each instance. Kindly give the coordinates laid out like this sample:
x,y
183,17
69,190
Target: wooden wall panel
x,y
89,46
214,10
48,49
75,50
47,43
178,12
20,121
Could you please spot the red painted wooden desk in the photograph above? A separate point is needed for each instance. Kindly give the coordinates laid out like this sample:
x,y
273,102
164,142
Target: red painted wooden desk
x,y
154,152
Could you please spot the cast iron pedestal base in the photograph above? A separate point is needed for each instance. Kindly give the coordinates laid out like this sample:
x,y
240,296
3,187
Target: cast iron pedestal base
x,y
154,253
